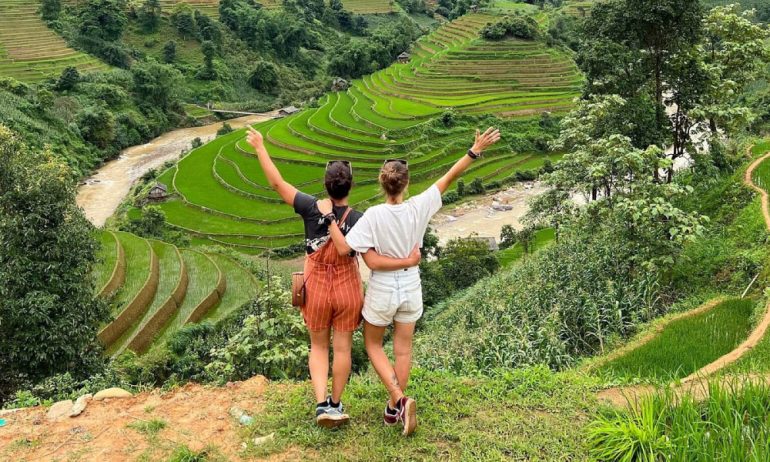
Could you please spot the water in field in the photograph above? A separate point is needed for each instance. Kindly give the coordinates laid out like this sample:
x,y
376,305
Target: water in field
x,y
100,194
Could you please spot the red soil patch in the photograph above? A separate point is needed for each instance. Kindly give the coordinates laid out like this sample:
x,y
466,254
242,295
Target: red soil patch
x,y
196,416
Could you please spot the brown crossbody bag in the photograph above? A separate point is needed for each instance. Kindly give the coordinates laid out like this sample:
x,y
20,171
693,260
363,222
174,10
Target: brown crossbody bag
x,y
298,281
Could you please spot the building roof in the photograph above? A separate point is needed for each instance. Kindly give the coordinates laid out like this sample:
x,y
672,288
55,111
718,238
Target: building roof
x,y
289,109
404,55
160,186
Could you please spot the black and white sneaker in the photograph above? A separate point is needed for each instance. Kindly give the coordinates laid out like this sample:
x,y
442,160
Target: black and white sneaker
x,y
330,416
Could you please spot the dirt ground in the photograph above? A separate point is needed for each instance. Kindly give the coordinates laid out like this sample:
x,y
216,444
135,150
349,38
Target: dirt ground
x,y
195,416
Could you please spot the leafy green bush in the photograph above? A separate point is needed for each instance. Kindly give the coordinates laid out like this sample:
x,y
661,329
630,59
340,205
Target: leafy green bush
x,y
272,342
522,27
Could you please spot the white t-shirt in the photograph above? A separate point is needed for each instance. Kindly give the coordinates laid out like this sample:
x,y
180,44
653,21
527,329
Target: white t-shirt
x,y
394,230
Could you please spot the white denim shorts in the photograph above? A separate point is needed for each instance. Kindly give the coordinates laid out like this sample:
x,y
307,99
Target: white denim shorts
x,y
393,296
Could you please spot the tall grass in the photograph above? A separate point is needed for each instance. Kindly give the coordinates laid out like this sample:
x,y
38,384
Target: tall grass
x,y
687,344
731,424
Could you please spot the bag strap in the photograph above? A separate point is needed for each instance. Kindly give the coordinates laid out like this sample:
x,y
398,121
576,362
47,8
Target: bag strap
x,y
345,215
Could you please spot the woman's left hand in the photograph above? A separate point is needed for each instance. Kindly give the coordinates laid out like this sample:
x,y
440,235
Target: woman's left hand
x,y
325,206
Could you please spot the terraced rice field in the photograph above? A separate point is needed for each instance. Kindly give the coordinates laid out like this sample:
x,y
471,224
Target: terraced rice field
x,y
166,288
686,344
514,253
222,196
369,6
209,7
30,51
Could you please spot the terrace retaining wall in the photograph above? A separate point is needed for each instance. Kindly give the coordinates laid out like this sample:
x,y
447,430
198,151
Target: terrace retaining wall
x,y
144,338
135,307
118,276
213,298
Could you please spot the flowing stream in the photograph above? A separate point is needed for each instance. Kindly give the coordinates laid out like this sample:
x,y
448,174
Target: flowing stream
x,y
101,194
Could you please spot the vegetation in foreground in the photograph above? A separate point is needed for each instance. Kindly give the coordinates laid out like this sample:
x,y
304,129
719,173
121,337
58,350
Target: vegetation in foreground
x,y
527,414
729,425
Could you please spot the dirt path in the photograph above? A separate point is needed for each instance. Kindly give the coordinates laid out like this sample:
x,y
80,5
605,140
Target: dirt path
x,y
101,194
195,416
697,382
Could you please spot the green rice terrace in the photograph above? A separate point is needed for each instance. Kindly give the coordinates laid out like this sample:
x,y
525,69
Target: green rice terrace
x,y
220,195
30,51
155,288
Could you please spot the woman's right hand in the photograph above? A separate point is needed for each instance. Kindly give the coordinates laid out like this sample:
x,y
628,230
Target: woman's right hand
x,y
255,139
485,140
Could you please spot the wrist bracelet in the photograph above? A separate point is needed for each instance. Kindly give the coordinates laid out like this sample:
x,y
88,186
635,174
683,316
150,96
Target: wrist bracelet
x,y
330,218
473,155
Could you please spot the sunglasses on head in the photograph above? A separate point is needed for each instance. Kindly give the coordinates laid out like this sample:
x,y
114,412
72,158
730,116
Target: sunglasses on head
x,y
400,161
346,162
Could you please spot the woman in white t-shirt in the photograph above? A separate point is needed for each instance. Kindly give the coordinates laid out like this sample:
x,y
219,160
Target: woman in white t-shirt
x,y
393,229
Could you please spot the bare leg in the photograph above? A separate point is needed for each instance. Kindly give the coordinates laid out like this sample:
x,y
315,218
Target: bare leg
x,y
373,337
402,350
343,344
319,363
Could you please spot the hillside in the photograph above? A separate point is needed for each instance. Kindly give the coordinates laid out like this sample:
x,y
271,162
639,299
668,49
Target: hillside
x,y
156,288
30,51
221,196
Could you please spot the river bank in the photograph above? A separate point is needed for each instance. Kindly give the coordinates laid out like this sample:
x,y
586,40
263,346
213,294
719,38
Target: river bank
x,y
101,194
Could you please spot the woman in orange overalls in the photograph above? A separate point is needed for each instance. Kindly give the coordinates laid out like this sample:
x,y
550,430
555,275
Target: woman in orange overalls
x,y
334,292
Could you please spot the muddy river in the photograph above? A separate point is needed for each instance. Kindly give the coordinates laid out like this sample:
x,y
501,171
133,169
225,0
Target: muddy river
x,y
101,194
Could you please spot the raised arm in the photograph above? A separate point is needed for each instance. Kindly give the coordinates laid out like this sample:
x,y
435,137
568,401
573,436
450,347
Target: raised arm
x,y
284,189
483,141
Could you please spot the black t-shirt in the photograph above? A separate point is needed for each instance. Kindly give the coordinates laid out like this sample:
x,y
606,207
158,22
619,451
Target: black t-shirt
x,y
316,229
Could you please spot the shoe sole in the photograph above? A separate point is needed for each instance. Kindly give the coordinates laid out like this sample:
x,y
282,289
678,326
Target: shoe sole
x,y
410,418
326,421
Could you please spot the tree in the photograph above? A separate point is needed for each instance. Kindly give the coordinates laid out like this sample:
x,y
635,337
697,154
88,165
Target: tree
x,y
183,18
461,187
156,85
151,223
97,125
68,79
50,9
476,186
264,77
525,239
209,51
149,15
49,315
169,52
102,19
507,236
734,53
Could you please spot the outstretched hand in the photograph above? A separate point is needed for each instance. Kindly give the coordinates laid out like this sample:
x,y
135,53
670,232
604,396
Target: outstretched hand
x,y
255,139
325,206
485,140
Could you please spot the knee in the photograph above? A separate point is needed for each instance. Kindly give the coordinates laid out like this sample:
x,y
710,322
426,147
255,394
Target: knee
x,y
402,349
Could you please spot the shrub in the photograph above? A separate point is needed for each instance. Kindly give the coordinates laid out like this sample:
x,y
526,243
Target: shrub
x,y
272,342
476,186
197,142
522,27
450,197
525,175
461,187
264,77
225,129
